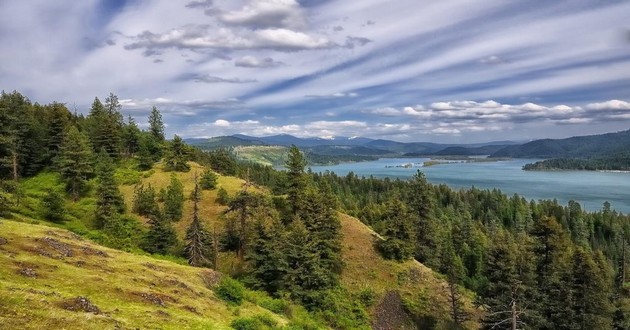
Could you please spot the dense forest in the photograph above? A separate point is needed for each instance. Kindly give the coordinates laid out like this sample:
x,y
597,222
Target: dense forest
x,y
527,264
618,162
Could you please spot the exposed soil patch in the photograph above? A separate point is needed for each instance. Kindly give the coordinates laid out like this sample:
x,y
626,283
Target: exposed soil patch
x,y
390,314
28,272
62,249
155,298
86,250
80,304
152,266
210,277
191,309
3,241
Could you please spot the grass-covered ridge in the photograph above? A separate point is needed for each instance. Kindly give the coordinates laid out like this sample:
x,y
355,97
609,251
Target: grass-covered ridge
x,y
53,279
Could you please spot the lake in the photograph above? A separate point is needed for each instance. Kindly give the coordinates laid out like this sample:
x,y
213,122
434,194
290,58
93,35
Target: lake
x,y
590,189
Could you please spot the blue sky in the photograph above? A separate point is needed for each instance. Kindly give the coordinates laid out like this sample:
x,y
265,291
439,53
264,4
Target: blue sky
x,y
407,70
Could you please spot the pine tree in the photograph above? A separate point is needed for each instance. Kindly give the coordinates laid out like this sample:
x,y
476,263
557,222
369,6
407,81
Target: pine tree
x,y
244,206
266,256
149,151
144,201
58,123
319,215
504,295
74,161
156,126
208,180
592,291
177,156
453,268
305,280
105,126
109,200
198,240
399,234
222,196
174,200
131,137
161,236
296,177
54,207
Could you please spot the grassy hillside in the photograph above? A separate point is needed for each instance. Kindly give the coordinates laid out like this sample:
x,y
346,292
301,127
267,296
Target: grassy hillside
x,y
120,284
54,279
397,286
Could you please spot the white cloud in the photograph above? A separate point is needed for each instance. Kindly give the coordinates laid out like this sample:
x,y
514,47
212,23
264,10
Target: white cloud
x,y
267,14
253,62
609,105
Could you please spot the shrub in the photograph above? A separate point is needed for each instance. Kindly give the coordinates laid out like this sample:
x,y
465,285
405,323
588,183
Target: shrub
x,y
54,206
222,197
230,290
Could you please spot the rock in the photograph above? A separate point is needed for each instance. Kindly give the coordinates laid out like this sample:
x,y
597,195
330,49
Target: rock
x,y
80,304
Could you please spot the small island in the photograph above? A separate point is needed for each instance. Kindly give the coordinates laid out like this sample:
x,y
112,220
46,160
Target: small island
x,y
617,163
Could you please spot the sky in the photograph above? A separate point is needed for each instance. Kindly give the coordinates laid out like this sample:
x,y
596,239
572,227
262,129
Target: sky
x,y
451,71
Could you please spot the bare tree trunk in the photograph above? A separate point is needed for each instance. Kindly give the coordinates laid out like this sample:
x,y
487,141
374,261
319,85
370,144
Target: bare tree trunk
x,y
514,315
14,163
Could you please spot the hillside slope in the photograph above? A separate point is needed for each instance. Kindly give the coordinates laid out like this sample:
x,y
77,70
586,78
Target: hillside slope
x,y
398,286
54,279
574,147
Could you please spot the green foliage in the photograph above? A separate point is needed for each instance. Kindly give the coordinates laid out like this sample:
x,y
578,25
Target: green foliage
x,y
105,126
208,180
342,311
53,206
123,232
149,151
296,178
174,200
177,156
156,125
223,198
223,161
266,256
199,243
399,236
257,322
109,200
73,161
230,290
161,236
144,201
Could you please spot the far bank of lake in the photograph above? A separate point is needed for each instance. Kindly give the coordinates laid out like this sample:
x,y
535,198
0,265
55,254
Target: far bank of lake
x,y
590,189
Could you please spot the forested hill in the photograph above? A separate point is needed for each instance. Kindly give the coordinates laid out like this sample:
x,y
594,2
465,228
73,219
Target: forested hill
x,y
592,146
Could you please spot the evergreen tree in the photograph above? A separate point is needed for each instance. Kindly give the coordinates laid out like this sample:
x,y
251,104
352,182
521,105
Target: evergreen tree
x,y
319,215
144,201
222,196
58,122
149,151
74,162
105,126
54,207
399,234
208,180
177,156
591,305
198,240
305,280
131,137
161,236
453,268
553,272
503,296
297,180
244,206
156,126
174,200
109,200
266,256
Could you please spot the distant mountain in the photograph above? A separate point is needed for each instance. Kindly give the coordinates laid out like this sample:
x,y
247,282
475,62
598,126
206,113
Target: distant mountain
x,y
470,151
590,146
223,142
287,140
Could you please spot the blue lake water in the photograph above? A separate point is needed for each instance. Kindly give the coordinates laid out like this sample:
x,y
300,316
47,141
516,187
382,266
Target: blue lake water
x,y
590,189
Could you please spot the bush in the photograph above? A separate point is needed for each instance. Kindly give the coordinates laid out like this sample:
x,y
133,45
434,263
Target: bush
x,y
208,180
230,290
258,322
367,297
54,206
222,197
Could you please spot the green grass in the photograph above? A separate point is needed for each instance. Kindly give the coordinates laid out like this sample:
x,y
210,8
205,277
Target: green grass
x,y
42,268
